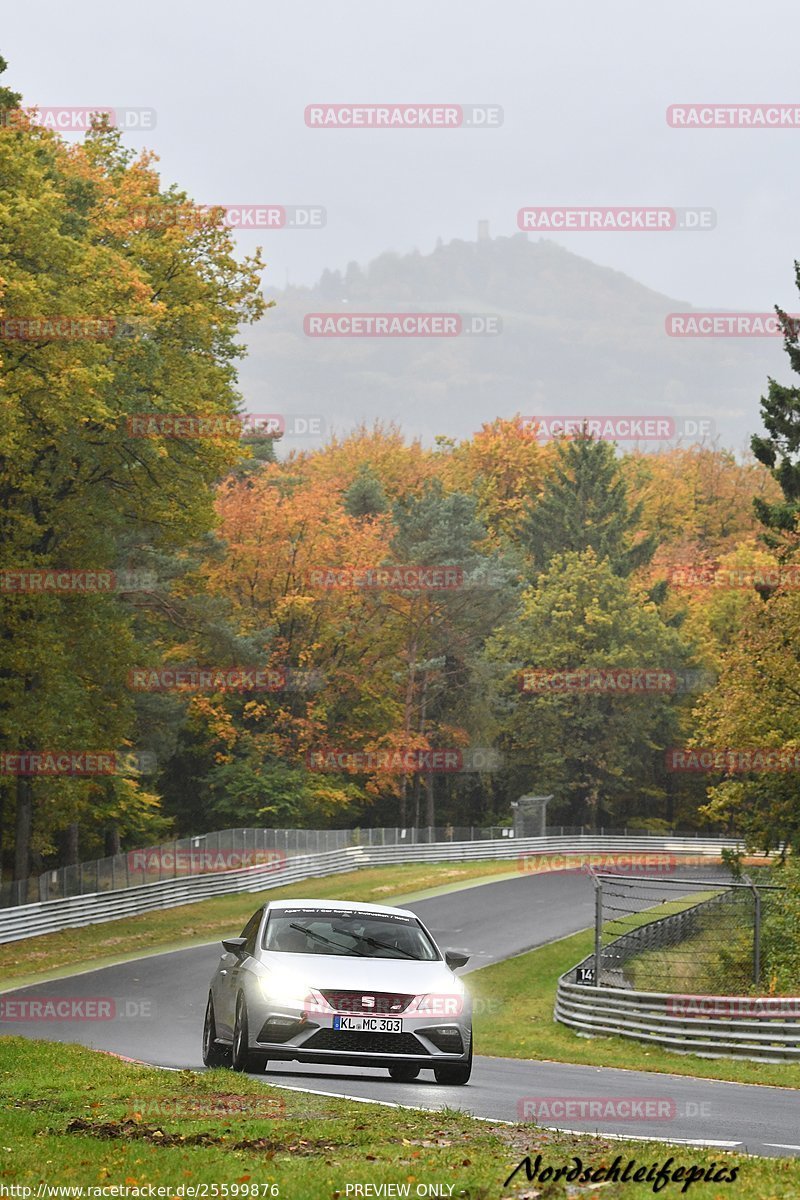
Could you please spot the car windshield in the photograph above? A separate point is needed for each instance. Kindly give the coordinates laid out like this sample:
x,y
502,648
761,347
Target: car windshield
x,y
347,934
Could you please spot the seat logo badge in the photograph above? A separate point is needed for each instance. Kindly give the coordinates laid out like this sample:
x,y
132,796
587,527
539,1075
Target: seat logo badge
x,y
368,1001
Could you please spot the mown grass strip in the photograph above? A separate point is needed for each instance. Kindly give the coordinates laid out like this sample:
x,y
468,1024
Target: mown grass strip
x,y
74,1117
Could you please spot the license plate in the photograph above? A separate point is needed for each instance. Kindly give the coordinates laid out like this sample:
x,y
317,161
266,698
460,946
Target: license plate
x,y
369,1024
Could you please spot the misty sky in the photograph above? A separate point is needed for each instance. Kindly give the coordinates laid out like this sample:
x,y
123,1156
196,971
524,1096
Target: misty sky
x,y
584,88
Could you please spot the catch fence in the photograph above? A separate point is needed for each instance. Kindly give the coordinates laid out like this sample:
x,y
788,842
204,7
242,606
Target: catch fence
x,y
665,934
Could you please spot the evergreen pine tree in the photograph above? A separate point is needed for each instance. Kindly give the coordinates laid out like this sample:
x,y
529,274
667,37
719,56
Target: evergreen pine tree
x,y
779,450
585,506
365,497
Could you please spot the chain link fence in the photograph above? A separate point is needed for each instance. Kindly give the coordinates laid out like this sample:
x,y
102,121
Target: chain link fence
x,y
667,934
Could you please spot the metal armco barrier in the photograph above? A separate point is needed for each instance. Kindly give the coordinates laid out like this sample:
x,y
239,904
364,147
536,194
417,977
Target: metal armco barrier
x,y
656,1018
31,920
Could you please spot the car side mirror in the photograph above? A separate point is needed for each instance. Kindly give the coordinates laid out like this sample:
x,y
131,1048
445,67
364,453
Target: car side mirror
x,y
234,945
456,958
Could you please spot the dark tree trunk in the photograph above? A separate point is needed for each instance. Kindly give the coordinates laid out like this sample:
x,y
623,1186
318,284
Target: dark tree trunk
x,y
669,806
22,829
404,803
430,806
112,840
72,845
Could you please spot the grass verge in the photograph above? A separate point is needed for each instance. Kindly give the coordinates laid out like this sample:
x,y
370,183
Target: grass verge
x,y
718,960
74,1117
95,946
514,1019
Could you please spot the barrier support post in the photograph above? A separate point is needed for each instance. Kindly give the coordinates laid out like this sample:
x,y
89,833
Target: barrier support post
x,y
598,926
756,928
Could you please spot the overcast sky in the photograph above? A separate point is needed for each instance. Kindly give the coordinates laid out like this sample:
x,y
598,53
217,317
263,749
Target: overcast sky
x,y
584,89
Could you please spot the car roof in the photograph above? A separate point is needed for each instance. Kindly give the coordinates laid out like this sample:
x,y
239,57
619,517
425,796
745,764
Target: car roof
x,y
341,906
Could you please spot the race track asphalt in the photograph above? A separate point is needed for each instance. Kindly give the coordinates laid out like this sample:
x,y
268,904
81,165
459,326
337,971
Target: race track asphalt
x,y
160,1001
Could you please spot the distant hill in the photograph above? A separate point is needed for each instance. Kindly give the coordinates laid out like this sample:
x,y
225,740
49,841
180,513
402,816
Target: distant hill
x,y
576,338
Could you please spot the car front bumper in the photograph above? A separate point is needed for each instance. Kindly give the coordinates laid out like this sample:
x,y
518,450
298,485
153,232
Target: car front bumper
x,y
289,1032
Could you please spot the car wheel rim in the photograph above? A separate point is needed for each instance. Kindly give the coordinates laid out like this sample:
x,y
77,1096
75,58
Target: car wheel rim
x,y
207,1030
238,1039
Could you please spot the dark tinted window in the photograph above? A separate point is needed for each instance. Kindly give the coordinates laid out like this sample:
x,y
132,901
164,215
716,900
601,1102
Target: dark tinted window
x,y
250,931
351,934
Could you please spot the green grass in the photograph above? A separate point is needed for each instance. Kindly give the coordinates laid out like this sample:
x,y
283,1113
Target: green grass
x,y
74,950
715,961
514,1019
656,912
73,1117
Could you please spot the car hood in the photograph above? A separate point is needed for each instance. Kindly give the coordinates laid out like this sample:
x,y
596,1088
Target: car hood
x,y
325,971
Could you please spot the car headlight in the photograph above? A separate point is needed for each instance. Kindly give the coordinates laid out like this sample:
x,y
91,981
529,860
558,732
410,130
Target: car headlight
x,y
443,1005
287,990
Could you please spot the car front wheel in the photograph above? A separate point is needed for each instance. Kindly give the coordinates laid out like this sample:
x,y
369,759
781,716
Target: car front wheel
x,y
403,1072
243,1058
214,1054
455,1072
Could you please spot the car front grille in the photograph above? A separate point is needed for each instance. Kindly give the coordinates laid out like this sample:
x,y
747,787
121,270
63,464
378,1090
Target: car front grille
x,y
372,1003
354,1042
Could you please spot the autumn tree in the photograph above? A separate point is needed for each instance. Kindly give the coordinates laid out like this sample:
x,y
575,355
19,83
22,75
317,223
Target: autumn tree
x,y
154,305
503,466
590,748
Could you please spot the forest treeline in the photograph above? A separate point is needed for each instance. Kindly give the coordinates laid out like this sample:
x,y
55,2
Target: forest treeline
x,y
374,632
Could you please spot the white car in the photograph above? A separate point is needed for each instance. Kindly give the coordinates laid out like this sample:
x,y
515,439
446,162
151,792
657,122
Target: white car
x,y
326,981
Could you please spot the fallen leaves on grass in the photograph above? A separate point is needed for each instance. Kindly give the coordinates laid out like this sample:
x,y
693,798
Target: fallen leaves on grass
x,y
130,1130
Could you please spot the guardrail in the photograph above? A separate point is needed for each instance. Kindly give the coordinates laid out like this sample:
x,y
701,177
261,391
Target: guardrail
x,y
656,1018
32,920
